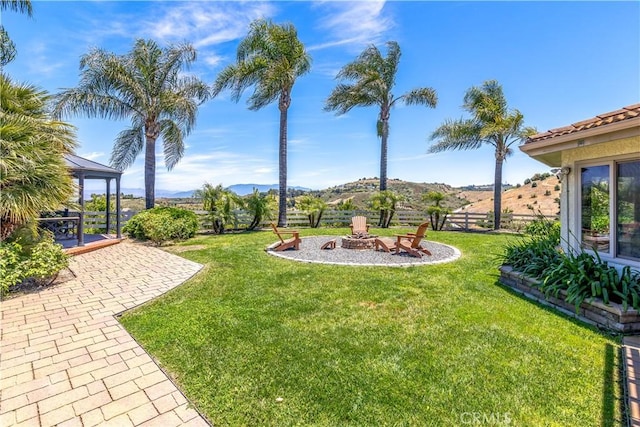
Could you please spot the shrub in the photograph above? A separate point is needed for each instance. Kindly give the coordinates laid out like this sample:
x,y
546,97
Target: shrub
x,y
581,275
547,193
556,187
40,263
519,196
527,181
534,184
162,224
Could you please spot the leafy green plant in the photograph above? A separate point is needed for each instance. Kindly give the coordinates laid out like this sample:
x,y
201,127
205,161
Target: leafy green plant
x,y
581,275
260,206
346,205
314,207
385,202
40,262
162,224
220,204
437,213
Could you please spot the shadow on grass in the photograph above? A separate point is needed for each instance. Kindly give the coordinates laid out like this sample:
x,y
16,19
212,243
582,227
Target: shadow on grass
x,y
611,363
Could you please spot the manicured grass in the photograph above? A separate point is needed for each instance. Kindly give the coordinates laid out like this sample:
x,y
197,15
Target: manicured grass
x,y
432,345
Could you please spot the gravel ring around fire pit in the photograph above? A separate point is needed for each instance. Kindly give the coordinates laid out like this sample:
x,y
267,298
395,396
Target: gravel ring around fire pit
x,y
310,252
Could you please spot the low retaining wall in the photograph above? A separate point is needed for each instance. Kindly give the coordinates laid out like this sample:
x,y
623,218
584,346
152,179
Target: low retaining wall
x,y
611,316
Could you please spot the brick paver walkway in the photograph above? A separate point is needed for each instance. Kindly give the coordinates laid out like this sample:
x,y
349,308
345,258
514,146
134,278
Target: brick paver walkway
x,y
65,360
631,360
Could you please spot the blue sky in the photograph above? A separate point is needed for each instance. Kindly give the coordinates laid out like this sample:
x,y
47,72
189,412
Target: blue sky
x,y
558,62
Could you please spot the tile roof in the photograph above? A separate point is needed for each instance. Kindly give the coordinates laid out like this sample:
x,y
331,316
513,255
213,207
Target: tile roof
x,y
625,113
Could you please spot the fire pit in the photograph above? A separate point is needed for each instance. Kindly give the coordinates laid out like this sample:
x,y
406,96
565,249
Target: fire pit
x,y
359,241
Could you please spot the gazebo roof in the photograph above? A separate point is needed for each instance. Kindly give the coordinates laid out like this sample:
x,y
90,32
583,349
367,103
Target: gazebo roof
x,y
89,169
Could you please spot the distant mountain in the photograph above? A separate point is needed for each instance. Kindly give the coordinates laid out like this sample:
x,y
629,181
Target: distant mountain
x,y
239,189
244,189
139,192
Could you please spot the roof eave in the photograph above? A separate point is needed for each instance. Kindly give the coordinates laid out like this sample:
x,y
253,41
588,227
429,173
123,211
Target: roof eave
x,y
548,151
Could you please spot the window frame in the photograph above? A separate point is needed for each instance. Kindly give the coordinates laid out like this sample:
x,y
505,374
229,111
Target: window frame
x,y
612,163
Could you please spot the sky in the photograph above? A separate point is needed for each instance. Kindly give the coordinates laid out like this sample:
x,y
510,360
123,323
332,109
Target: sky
x,y
558,63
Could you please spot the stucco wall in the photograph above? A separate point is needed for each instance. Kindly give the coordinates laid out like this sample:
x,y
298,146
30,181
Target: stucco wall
x,y
603,150
625,147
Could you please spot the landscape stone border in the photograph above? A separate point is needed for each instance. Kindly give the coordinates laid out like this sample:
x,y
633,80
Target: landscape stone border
x,y
610,316
310,252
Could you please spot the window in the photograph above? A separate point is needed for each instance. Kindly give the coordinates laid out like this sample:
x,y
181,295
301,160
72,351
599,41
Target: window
x,y
628,210
610,209
595,207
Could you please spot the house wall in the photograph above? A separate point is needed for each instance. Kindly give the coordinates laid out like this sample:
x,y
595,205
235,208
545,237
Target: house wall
x,y
618,148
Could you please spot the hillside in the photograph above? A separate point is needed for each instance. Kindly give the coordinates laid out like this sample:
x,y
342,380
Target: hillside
x,y
539,195
361,191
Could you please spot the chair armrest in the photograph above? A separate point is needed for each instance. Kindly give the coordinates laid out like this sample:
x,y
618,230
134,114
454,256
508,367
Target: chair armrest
x,y
289,231
406,236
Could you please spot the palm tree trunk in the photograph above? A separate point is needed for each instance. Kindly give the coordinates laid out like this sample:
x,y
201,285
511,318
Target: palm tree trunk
x,y
150,172
497,193
384,135
282,182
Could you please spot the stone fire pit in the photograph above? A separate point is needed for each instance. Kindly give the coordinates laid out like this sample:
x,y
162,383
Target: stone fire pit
x,y
359,241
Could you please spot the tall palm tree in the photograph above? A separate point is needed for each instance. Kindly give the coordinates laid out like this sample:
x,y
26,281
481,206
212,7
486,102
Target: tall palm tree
x,y
147,87
374,77
270,58
33,174
491,123
7,47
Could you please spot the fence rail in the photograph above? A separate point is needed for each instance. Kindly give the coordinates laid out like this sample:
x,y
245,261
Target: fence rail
x,y
463,221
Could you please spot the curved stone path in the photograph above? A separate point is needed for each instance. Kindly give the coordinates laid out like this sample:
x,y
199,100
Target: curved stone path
x,y
65,360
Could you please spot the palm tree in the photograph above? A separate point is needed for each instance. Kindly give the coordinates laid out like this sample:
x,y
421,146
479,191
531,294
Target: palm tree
x,y
270,58
374,77
147,87
220,204
7,47
33,174
491,123
260,207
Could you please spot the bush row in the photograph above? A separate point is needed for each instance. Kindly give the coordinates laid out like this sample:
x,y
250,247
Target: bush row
x,y
583,276
162,224
39,261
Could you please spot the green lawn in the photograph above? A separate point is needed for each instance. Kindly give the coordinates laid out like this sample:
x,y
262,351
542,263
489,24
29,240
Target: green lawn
x,y
431,345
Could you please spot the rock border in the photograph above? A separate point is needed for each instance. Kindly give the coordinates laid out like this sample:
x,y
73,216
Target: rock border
x,y
610,316
415,262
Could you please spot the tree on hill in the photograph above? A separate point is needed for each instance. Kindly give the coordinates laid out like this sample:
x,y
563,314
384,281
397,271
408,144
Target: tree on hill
x,y
491,123
146,86
270,58
373,77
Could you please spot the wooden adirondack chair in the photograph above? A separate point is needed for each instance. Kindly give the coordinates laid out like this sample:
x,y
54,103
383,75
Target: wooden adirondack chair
x,y
359,225
409,243
292,242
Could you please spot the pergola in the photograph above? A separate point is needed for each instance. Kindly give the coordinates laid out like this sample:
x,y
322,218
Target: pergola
x,y
83,169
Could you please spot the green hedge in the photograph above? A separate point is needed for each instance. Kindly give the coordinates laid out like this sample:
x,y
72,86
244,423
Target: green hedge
x,y
162,224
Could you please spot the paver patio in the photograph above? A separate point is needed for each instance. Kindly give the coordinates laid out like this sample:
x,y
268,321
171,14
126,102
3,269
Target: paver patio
x,y
65,360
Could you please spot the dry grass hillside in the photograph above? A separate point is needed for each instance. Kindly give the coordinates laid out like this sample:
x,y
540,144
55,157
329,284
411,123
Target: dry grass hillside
x,y
536,196
361,191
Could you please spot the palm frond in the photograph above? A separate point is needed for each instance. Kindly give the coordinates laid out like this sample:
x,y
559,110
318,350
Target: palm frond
x,y
20,6
172,142
421,96
456,135
128,145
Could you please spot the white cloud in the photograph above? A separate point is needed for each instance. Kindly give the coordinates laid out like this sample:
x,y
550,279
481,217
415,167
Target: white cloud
x,y
353,23
206,23
94,155
39,62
